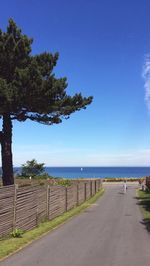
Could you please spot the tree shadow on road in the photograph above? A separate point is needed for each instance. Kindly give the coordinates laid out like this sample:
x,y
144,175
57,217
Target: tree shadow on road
x,y
146,222
144,202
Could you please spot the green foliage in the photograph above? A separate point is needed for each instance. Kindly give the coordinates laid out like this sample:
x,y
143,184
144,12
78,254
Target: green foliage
x,y
29,90
144,202
141,180
17,233
28,86
42,176
32,169
64,182
120,179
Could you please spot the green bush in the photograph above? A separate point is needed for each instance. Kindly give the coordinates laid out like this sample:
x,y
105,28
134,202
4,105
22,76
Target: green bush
x,y
32,169
17,233
121,179
64,182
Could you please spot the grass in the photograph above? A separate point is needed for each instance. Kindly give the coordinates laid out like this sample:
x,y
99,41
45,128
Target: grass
x,y
144,197
11,245
122,179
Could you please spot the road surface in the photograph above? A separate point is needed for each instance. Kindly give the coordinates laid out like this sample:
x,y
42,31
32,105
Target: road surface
x,y
110,233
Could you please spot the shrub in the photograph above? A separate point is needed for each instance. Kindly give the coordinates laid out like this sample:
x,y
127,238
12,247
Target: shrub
x,y
64,182
17,233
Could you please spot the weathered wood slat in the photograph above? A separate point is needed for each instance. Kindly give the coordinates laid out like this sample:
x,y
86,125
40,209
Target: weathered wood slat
x,y
56,201
71,197
5,230
81,193
88,190
6,209
25,207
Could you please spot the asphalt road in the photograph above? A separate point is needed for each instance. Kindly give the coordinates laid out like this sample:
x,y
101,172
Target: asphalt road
x,y
110,233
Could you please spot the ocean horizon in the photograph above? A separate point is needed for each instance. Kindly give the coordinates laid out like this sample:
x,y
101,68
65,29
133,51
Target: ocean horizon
x,y
95,172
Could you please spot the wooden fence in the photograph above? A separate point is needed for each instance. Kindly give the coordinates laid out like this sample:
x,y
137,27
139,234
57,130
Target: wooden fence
x,y
148,182
25,207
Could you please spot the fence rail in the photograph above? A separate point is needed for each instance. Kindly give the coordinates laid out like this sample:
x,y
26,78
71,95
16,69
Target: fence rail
x,y
25,207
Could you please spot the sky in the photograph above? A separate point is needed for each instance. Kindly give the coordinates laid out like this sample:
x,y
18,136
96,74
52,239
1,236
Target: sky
x,y
104,49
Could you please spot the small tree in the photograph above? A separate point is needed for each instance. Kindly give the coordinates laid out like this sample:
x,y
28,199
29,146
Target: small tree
x,y
32,168
29,90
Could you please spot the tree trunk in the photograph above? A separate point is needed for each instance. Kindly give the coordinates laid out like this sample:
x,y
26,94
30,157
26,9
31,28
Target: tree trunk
x,y
6,151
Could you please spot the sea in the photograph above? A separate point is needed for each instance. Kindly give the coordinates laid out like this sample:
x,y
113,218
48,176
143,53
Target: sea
x,y
93,172
98,172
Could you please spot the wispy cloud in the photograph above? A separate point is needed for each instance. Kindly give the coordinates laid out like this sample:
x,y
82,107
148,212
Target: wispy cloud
x,y
130,158
76,156
146,76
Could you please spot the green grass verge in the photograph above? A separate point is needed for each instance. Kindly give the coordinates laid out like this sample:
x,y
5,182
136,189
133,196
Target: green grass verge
x,y
144,198
144,202
112,179
11,245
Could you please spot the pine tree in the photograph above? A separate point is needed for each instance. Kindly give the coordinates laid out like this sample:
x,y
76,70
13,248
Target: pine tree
x,y
29,90
32,169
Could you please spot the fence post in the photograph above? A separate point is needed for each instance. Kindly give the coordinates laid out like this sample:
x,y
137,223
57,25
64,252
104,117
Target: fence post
x,y
37,207
66,201
90,188
100,183
77,194
15,201
47,202
84,191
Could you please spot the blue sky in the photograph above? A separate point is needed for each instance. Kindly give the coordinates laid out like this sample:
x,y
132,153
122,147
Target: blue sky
x,y
104,51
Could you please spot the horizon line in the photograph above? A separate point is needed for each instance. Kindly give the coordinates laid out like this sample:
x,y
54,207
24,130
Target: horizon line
x,y
82,166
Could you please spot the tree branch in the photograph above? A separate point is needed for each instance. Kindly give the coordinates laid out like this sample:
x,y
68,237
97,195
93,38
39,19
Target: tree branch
x,y
1,136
